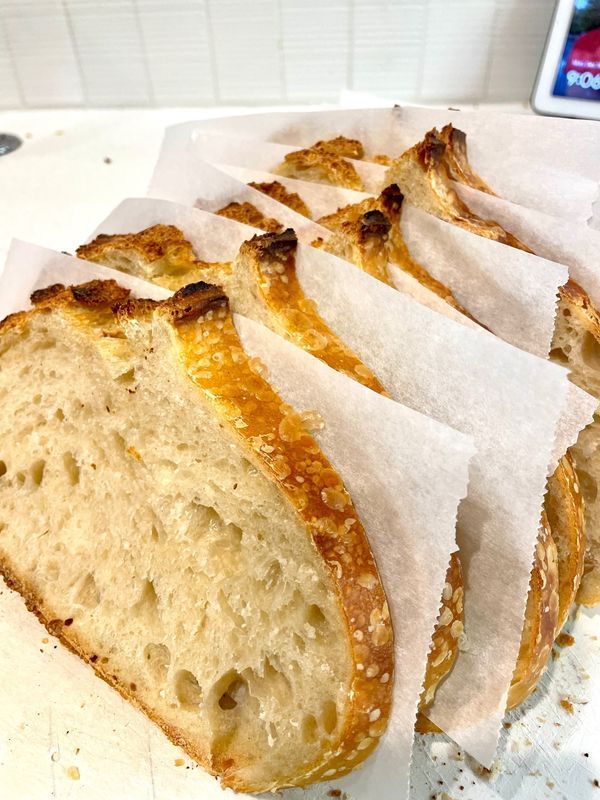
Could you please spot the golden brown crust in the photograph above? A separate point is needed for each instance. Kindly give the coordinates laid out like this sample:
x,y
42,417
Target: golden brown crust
x,y
564,507
360,234
274,438
154,243
278,192
541,618
340,146
372,235
444,650
271,260
250,215
320,166
458,160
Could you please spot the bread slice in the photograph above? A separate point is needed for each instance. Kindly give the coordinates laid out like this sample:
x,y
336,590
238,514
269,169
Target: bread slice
x,y
172,521
262,284
424,173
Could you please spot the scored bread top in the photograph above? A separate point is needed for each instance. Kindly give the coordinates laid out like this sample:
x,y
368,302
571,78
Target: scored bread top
x,y
276,441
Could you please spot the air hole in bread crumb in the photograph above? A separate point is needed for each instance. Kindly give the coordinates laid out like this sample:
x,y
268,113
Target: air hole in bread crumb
x,y
59,414
3,468
316,617
71,467
127,378
37,399
299,642
158,659
272,575
559,355
187,688
329,716
309,729
87,592
155,536
148,601
20,478
590,350
37,472
235,692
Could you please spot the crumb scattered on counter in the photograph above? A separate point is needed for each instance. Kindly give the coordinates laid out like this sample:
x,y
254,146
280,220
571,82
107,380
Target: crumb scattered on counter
x,y
29,135
550,784
507,725
45,640
73,773
335,793
107,160
565,640
179,762
596,783
567,705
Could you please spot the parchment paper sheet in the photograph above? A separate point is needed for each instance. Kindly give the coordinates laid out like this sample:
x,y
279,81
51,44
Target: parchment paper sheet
x,y
520,161
514,406
510,292
405,472
576,245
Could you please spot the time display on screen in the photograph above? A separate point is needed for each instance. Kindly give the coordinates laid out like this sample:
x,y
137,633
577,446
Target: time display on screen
x,y
578,74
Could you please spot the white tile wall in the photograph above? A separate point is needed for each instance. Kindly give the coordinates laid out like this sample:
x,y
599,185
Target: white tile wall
x,y
201,52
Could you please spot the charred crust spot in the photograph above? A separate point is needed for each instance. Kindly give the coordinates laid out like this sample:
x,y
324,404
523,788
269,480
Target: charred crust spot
x,y
276,245
100,294
195,300
374,223
392,199
193,288
432,149
40,295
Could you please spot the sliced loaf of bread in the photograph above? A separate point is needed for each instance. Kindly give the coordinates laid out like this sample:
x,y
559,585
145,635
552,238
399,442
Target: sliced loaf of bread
x,y
168,517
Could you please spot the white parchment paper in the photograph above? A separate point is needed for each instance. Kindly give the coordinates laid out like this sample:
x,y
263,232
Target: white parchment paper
x,y
517,408
405,472
515,156
576,245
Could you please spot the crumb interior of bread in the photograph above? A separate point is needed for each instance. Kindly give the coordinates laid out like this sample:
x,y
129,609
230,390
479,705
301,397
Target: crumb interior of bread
x,y
576,348
130,512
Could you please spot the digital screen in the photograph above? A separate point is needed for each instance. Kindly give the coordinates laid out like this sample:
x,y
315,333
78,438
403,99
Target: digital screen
x,y
578,74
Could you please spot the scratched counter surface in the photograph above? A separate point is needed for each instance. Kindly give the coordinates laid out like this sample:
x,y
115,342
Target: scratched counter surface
x,y
64,733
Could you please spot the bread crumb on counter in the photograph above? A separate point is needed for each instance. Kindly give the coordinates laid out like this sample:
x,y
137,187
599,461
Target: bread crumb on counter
x,y
565,640
567,705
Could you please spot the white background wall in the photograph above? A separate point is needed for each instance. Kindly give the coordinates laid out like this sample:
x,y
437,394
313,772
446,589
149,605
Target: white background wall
x,y
204,52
